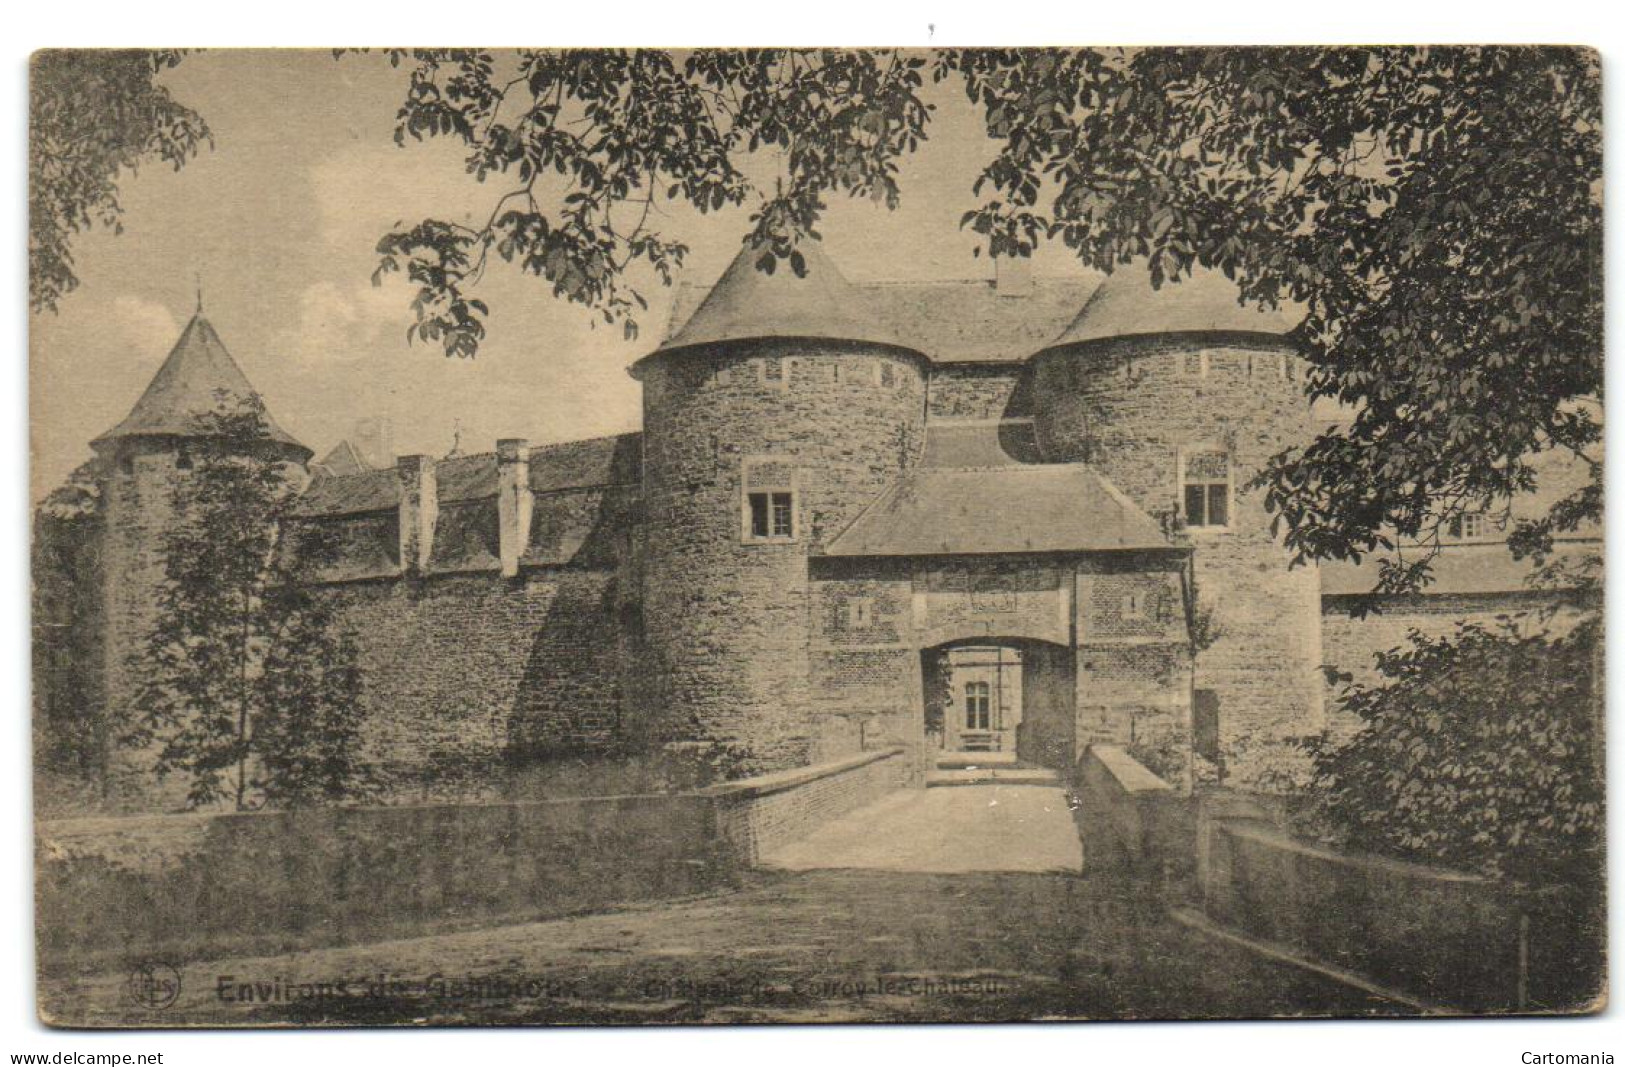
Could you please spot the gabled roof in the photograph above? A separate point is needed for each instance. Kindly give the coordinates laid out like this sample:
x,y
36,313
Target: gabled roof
x,y
1052,507
747,303
958,321
989,501
343,459
1205,301
198,379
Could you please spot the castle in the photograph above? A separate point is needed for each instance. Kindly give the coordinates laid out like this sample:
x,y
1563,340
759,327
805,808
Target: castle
x,y
962,517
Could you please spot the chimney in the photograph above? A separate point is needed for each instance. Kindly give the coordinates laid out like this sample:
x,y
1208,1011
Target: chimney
x,y
1013,275
514,500
420,507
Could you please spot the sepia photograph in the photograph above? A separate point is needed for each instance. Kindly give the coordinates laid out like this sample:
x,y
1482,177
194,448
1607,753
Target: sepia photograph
x,y
673,537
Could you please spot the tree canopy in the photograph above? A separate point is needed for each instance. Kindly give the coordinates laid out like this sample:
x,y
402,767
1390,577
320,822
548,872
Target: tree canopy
x,y
1434,212
94,117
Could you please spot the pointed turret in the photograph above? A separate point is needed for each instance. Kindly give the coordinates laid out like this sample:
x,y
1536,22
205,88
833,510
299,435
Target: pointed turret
x,y
748,303
199,378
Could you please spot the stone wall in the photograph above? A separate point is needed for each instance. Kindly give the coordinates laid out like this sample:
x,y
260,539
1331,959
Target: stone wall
x,y
1451,940
191,886
1130,819
199,885
470,677
1136,409
758,815
980,391
727,620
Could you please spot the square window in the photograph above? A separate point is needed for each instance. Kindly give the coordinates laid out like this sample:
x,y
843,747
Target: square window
x,y
773,370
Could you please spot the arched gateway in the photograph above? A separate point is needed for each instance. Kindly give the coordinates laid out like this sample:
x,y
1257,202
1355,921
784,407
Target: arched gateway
x,y
988,605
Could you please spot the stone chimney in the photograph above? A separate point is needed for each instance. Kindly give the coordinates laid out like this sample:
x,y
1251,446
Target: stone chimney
x,y
420,508
1013,275
514,500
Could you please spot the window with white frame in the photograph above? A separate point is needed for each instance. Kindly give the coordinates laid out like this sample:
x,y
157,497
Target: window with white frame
x,y
1206,489
1473,526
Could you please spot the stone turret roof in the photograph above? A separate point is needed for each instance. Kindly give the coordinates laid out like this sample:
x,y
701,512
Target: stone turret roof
x,y
1127,305
747,304
198,379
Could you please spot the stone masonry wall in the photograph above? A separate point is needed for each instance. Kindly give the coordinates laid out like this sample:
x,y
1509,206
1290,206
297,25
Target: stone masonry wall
x,y
1133,409
979,391
467,677
727,621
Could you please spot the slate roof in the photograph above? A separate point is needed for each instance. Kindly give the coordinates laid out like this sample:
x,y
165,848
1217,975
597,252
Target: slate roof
x,y
747,303
993,503
197,379
963,321
1458,570
598,461
1126,305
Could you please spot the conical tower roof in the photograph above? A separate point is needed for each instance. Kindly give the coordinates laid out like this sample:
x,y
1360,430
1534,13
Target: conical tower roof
x,y
747,303
199,378
1205,301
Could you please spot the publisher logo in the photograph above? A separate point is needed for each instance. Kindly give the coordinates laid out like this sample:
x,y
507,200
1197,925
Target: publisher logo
x,y
154,984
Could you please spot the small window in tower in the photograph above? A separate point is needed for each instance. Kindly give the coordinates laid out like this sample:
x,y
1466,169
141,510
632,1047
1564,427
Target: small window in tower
x,y
888,375
772,516
183,460
1207,490
860,613
1134,606
773,371
835,372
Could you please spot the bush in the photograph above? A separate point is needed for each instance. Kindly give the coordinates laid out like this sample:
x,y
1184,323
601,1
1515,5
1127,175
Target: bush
x,y
1476,751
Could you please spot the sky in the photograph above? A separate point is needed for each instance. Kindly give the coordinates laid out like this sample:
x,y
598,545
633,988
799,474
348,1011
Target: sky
x,y
278,224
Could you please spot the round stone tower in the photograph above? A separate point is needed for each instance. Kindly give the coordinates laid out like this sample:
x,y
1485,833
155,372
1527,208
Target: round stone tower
x,y
144,458
1179,395
777,412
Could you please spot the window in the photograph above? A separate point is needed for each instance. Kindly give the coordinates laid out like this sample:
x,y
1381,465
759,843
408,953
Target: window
x,y
773,371
1134,606
888,375
860,613
772,516
768,499
183,460
1195,364
1207,490
977,700
1470,527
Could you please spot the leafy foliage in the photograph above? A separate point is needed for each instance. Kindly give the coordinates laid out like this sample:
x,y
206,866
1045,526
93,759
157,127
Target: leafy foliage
x,y
589,144
246,688
1478,750
94,115
1435,212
